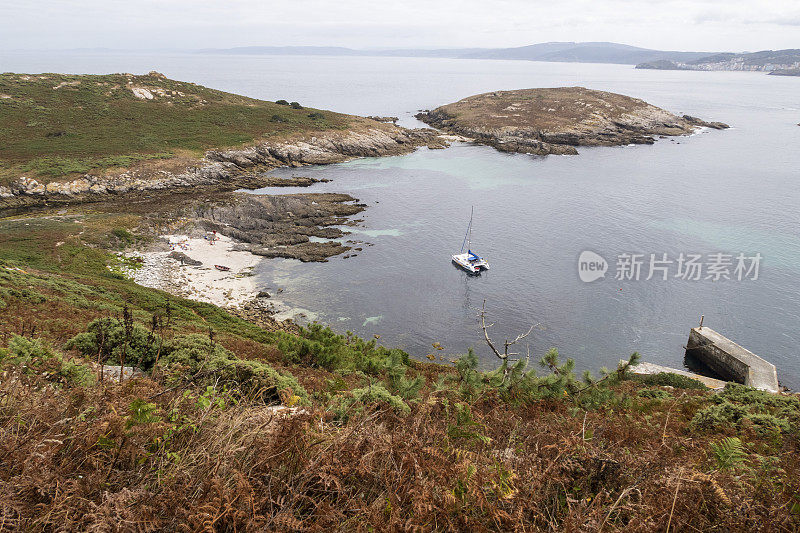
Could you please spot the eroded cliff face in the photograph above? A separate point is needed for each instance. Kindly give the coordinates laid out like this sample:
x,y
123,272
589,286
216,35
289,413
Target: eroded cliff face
x,y
556,121
222,170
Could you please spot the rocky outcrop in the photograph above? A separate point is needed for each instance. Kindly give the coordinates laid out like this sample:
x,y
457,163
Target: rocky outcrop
x,y
786,72
224,170
694,121
280,225
556,121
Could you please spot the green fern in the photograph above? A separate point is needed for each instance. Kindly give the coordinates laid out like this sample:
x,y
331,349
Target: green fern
x,y
729,453
141,412
465,427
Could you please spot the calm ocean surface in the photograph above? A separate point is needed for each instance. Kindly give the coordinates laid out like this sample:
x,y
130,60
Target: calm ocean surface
x,y
733,191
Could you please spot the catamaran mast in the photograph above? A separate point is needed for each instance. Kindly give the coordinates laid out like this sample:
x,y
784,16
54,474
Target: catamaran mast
x,y
468,236
469,242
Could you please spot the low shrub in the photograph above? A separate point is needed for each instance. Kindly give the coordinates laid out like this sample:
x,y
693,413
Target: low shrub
x,y
36,356
657,394
123,235
514,383
211,362
719,416
319,346
104,338
354,403
670,379
768,414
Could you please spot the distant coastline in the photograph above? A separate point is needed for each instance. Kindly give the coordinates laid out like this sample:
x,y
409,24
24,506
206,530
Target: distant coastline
x,y
777,62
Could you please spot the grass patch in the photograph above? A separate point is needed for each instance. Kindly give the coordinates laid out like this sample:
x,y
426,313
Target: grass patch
x,y
90,123
668,379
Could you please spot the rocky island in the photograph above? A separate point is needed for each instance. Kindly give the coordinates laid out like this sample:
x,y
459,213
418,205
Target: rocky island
x,y
557,120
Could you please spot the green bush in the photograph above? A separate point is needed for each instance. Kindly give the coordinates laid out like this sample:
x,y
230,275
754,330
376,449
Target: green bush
x,y
354,402
760,400
470,380
514,383
663,379
657,394
105,337
28,295
123,235
214,363
36,356
405,387
282,102
719,416
769,425
769,414
319,346
295,105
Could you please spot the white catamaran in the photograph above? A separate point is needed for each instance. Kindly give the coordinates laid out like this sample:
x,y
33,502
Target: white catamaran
x,y
470,261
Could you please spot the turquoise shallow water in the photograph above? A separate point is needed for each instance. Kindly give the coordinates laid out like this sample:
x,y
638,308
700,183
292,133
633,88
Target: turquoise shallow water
x,y
731,191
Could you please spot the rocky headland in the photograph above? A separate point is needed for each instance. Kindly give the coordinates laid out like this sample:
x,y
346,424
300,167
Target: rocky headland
x,y
68,138
224,170
557,120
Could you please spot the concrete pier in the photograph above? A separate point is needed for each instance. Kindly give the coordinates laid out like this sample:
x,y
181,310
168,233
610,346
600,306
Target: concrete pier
x,y
731,361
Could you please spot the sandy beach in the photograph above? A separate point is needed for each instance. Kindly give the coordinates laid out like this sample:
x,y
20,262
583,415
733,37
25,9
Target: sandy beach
x,y
202,282
235,289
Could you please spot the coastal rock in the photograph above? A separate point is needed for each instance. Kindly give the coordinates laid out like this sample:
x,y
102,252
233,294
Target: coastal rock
x,y
279,225
227,169
556,121
184,259
702,123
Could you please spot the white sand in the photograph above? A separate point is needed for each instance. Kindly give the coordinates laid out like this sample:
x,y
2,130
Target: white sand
x,y
203,283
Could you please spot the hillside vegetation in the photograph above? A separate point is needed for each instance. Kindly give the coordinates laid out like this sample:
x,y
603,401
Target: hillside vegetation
x,y
60,125
238,428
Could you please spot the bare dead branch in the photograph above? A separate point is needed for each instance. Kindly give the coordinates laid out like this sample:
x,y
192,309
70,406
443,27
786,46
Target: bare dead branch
x,y
507,343
486,333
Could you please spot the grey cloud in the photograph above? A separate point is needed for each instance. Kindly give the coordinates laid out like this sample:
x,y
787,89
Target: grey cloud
x,y
673,24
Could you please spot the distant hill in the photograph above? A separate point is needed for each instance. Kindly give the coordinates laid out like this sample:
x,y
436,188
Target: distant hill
x,y
784,62
781,62
588,52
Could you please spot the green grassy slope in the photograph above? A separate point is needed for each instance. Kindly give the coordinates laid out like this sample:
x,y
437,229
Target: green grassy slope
x,y
56,125
381,443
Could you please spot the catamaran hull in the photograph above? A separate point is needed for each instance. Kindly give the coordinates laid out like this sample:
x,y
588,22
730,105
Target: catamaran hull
x,y
472,267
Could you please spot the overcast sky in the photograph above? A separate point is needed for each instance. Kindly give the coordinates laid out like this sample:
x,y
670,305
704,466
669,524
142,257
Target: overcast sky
x,y
702,25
